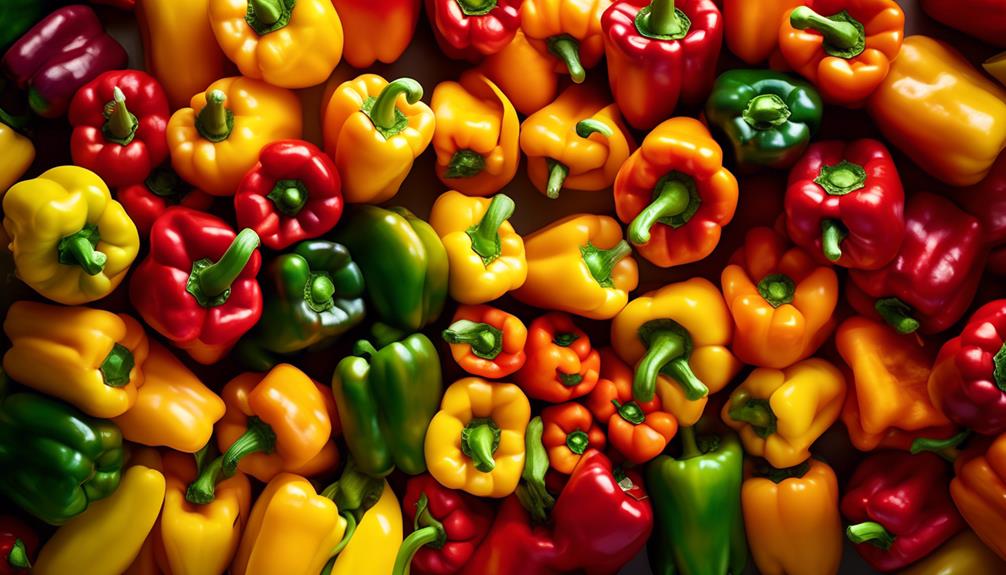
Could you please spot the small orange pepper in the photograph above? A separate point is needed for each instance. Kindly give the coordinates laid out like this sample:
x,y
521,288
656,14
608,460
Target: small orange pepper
x,y
569,431
561,364
486,341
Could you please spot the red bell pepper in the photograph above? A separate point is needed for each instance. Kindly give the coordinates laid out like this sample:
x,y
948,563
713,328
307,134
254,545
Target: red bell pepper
x,y
660,53
293,193
146,201
18,544
982,19
986,200
931,282
515,545
470,29
900,508
845,204
119,121
197,287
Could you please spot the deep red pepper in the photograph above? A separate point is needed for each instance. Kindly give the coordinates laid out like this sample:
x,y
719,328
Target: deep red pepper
x,y
982,19
293,193
900,508
146,201
931,282
845,204
18,544
515,545
197,286
471,29
986,200
119,121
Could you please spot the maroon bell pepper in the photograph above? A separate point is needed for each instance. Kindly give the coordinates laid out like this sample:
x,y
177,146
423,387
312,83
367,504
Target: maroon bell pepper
x,y
471,29
986,200
61,53
146,201
845,204
18,544
899,508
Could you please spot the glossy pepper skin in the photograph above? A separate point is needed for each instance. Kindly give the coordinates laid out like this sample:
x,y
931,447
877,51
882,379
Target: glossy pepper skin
x,y
569,431
567,31
197,287
982,19
899,508
378,535
986,200
486,341
471,29
19,151
675,194
963,553
145,201
750,27
18,546
977,490
660,53
55,459
72,242
65,50
561,363
396,20
523,73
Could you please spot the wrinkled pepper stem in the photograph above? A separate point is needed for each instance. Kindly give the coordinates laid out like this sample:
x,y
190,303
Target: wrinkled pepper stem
x,y
832,234
672,199
479,440
121,125
843,36
756,412
203,490
630,411
842,178
666,351
662,21
476,7
897,314
80,249
264,16
577,442
18,556
602,262
485,235
999,369
258,438
428,531
590,126
117,365
485,340
215,121
210,282
383,112
766,111
870,532
777,289
465,164
945,448
567,49
289,197
557,172
532,493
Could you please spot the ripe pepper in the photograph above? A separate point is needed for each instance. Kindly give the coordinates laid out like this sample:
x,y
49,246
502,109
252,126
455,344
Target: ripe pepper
x,y
476,139
930,283
486,256
475,443
404,264
962,554
471,29
986,201
660,53
486,341
977,490
845,204
19,151
561,364
523,74
18,545
567,31
515,544
586,254
396,20
670,332
767,117
675,193
293,193
981,19
787,314
779,414
374,130
71,241
941,112
65,50
900,508
144,202
792,520
119,121
197,287
569,431
752,27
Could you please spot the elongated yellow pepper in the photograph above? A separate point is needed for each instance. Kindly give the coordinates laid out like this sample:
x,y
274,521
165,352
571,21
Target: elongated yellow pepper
x,y
376,540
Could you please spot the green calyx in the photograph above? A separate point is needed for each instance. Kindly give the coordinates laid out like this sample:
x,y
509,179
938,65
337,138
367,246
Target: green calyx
x,y
662,21
569,379
117,365
485,340
629,411
210,282
265,16
163,183
842,178
485,235
257,438
532,493
567,49
17,557
383,110
318,292
777,475
777,289
602,262
120,126
557,172
844,36
675,201
80,249
999,371
577,442
476,7
766,111
565,339
215,121
668,346
897,314
756,412
832,235
427,530
465,164
870,532
289,197
479,440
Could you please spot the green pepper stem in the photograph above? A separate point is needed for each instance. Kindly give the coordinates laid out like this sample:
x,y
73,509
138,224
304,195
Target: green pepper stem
x,y
565,339
267,12
257,438
590,126
216,278
428,531
383,111
203,490
660,20
671,199
897,314
465,164
777,289
766,111
321,289
777,476
689,446
79,248
163,182
485,235
666,350
289,197
945,448
841,35
630,411
577,442
485,340
532,493
601,262
121,124
347,536
569,379
755,412
567,49
117,365
557,172
214,121
476,7
841,179
832,234
18,556
999,368
479,443
870,532
354,492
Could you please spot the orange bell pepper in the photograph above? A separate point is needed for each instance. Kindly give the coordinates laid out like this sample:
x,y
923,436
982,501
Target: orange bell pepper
x,y
376,31
751,27
568,31
569,431
523,74
979,490
486,341
561,364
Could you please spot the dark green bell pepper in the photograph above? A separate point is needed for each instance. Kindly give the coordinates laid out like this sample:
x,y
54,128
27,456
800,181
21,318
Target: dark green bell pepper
x,y
18,16
697,501
767,118
54,459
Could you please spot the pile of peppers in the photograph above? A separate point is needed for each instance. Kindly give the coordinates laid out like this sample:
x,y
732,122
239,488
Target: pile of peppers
x,y
230,348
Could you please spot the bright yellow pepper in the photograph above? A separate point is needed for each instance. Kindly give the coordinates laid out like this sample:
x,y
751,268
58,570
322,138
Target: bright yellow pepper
x,y
476,441
486,255
90,358
678,338
585,255
964,554
375,542
217,140
19,152
71,241
780,413
375,130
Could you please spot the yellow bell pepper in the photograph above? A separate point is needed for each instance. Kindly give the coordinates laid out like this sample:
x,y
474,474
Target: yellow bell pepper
x,y
90,358
375,542
107,537
217,140
566,31
780,413
19,152
586,256
941,111
374,130
485,254
71,241
577,142
678,338
526,76
288,44
476,441
965,554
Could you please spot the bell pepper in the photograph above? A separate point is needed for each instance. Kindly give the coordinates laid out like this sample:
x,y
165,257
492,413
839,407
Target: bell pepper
x,y
18,16
931,282
404,264
986,201
981,19
899,508
586,254
752,27
779,414
787,314
374,130
978,490
561,363
18,545
197,287
567,31
675,194
486,341
660,53
485,254
964,553
19,151
65,50
941,112
471,29
376,31
768,118
791,518
144,202
569,431
93,359
515,544
523,74
475,443
375,540
477,134
845,204
697,501
71,241
678,338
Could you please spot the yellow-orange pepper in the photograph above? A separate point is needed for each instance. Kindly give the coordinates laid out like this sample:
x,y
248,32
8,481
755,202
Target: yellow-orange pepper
x,y
750,27
965,554
979,491
568,31
18,150
523,74
376,31
374,544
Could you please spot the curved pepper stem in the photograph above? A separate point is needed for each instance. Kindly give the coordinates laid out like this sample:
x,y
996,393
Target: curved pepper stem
x,y
832,235
117,365
80,249
870,532
258,438
567,49
666,351
577,442
479,440
601,262
532,493
630,411
897,314
121,125
465,164
289,197
202,491
755,412
476,7
485,340
215,122
210,282
17,557
485,235
385,114
777,289
844,36
590,126
428,531
766,111
557,172
672,199
662,21
945,448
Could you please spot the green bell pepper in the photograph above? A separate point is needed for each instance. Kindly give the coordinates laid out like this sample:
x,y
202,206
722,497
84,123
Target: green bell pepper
x,y
54,459
404,264
767,118
697,501
18,16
